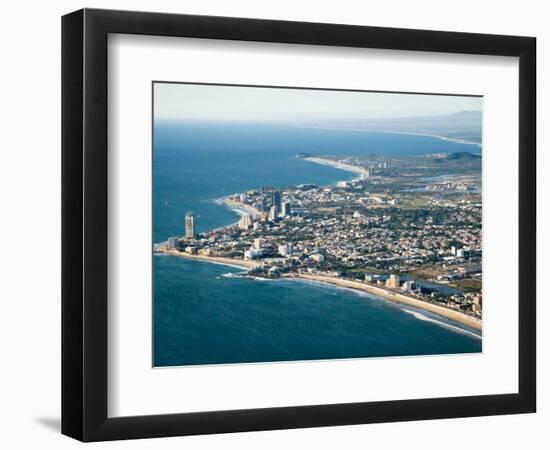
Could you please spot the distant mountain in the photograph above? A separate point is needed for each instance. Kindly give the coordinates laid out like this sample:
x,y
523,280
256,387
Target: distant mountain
x,y
463,125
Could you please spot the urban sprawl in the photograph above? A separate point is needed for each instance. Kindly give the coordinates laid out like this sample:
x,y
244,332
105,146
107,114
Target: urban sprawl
x,y
410,226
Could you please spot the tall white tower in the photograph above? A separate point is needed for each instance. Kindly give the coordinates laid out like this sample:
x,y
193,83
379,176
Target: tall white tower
x,y
189,225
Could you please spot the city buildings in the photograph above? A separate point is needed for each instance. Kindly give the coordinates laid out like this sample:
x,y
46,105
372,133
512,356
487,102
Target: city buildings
x,y
375,277
190,225
276,201
393,282
246,222
476,303
408,286
318,257
173,243
286,209
258,243
284,250
253,253
396,224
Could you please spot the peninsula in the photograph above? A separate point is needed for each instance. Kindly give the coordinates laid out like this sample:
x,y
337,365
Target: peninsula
x,y
407,229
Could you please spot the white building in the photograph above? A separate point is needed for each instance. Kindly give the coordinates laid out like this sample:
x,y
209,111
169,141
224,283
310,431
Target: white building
x,y
286,210
173,242
273,213
253,253
189,225
284,250
259,243
393,282
318,257
246,222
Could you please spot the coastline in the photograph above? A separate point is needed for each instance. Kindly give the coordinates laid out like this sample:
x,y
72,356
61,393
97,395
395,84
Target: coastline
x,y
360,130
451,314
338,165
237,263
399,298
239,207
382,293
444,138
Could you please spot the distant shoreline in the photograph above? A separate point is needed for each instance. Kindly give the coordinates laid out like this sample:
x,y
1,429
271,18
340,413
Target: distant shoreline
x,y
337,164
239,207
360,130
444,138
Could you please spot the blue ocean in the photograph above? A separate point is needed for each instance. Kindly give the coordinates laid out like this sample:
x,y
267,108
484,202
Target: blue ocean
x,y
204,314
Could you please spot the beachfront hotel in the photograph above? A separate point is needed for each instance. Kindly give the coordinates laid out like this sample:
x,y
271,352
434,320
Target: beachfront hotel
x,y
276,200
189,225
246,222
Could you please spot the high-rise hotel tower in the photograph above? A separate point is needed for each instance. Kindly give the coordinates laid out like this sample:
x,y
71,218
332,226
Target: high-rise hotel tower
x,y
276,200
189,225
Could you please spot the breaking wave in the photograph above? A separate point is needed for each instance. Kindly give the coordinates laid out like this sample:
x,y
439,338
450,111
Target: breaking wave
x,y
422,317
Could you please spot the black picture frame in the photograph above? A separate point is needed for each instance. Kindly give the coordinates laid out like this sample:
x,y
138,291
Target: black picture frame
x,y
84,224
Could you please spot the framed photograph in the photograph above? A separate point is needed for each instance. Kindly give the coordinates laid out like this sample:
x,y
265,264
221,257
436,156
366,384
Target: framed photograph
x,y
273,224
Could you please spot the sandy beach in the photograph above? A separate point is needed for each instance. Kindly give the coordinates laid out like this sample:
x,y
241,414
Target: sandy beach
x,y
376,291
337,164
400,298
241,208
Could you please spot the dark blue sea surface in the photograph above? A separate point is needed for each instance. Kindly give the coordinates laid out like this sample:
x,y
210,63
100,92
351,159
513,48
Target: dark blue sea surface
x,y
203,315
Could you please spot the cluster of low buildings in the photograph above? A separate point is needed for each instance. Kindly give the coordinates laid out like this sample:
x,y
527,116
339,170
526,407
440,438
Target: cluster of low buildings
x,y
466,302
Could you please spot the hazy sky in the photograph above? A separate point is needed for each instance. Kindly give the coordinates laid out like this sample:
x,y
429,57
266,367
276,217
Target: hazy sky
x,y
188,101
